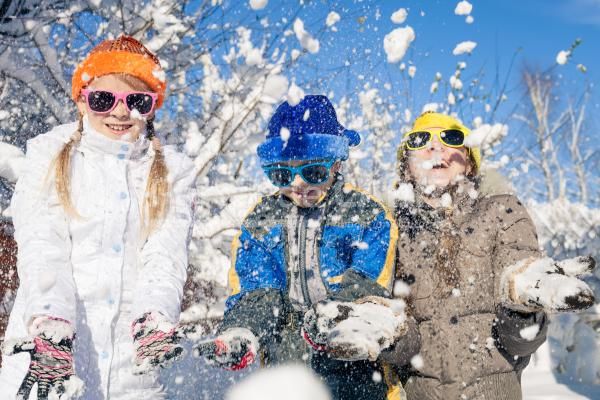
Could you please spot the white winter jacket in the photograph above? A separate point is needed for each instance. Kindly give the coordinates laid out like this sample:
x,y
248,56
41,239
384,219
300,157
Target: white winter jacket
x,y
97,271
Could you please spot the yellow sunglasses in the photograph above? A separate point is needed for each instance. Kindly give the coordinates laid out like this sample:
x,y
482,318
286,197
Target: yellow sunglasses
x,y
417,140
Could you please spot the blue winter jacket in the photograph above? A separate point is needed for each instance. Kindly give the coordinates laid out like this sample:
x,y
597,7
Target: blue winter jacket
x,y
356,253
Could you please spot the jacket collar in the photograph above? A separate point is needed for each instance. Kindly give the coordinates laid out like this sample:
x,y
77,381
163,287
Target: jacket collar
x,y
96,142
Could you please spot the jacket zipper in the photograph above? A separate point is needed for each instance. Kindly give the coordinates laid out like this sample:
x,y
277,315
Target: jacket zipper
x,y
302,226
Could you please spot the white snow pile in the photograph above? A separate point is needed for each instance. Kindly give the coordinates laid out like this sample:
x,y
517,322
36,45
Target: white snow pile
x,y
396,43
258,4
306,40
399,16
463,8
465,47
562,57
332,19
369,328
290,382
12,162
486,136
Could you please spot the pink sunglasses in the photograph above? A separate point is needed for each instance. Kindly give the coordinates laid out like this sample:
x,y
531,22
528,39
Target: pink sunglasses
x,y
104,101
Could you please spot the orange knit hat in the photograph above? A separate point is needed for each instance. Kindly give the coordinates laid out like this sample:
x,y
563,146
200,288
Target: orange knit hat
x,y
124,55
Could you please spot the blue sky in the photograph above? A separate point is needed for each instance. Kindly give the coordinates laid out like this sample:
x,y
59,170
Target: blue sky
x,y
536,30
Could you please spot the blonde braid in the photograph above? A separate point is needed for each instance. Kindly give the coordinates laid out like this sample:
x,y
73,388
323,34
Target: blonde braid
x,y
157,189
62,171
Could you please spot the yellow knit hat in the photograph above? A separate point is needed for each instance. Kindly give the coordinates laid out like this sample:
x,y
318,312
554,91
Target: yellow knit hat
x,y
430,119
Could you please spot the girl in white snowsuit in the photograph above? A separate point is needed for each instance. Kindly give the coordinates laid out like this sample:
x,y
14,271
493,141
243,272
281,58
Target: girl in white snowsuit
x,y
102,216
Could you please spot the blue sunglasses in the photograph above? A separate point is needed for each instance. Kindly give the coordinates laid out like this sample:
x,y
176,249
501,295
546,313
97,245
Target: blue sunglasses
x,y
313,173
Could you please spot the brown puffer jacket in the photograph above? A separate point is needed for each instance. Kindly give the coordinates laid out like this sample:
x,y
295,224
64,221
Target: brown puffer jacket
x,y
452,259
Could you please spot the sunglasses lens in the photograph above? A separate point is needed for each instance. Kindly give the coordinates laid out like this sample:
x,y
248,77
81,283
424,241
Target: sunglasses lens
x,y
139,101
453,137
416,140
280,176
315,174
100,101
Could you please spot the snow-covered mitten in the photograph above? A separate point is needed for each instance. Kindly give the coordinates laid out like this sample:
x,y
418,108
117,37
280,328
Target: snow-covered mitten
x,y
545,284
51,367
234,349
357,330
156,342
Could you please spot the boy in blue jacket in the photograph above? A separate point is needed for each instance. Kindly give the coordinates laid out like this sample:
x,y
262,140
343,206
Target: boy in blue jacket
x,y
316,241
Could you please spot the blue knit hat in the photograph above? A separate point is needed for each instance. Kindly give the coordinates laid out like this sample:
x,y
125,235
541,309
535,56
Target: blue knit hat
x,y
314,133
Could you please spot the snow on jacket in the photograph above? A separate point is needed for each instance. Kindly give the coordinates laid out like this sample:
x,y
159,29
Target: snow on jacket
x,y
350,243
97,271
471,344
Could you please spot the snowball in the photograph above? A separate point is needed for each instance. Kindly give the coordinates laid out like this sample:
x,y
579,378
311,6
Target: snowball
x,y
446,201
464,47
530,332
360,245
306,40
274,89
294,95
376,376
306,115
434,87
396,43
456,83
412,70
469,19
463,8
401,289
399,16
405,192
562,57
332,18
486,135
417,361
258,4
295,54
430,107
451,99
285,135
159,74
275,383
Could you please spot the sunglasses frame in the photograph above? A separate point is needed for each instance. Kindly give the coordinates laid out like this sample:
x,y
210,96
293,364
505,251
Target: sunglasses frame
x,y
438,134
298,171
119,96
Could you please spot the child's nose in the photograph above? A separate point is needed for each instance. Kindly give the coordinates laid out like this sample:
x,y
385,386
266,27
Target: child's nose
x,y
435,143
120,110
298,181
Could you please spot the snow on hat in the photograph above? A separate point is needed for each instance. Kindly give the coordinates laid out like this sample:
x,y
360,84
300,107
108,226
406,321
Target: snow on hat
x,y
307,131
124,55
431,119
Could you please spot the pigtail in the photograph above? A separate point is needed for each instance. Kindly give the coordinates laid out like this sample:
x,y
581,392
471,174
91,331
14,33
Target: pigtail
x,y
157,189
62,171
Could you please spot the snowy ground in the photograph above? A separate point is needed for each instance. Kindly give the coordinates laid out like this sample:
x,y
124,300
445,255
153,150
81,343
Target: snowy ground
x,y
539,383
205,382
